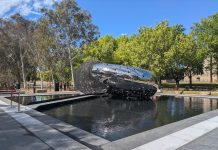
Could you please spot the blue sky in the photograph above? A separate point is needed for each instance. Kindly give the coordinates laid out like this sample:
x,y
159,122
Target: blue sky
x,y
118,17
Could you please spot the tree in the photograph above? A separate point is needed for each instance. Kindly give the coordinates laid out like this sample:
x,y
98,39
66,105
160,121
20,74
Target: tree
x,y
44,49
129,51
23,30
101,50
7,76
155,43
73,28
163,38
16,33
149,48
185,58
206,33
164,49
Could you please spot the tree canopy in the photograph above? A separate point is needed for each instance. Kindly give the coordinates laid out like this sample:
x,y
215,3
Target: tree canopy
x,y
206,33
52,47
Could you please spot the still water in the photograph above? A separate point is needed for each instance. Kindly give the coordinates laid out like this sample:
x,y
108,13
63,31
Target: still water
x,y
114,118
27,100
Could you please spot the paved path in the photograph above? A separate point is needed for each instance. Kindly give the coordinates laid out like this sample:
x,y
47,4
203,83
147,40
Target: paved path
x,y
24,131
183,137
15,137
207,142
39,131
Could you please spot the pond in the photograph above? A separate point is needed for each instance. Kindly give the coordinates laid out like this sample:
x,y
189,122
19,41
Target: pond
x,y
28,100
114,119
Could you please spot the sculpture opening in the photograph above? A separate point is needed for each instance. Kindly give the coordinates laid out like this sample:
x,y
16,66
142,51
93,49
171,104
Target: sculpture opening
x,y
95,77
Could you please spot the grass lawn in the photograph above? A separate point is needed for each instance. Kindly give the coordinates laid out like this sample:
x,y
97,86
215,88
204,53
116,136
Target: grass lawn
x,y
195,86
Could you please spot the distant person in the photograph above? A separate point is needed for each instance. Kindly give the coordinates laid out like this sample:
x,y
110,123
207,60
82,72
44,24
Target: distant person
x,y
65,86
61,86
177,83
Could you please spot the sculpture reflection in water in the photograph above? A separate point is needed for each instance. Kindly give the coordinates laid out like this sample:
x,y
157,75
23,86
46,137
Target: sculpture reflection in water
x,y
125,119
116,119
96,77
110,119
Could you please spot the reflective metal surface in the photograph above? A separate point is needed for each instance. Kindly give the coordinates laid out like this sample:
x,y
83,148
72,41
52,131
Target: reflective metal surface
x,y
110,70
118,80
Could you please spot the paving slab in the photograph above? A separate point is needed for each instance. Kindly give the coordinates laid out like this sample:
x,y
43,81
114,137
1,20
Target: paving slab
x,y
77,133
207,142
55,139
182,137
13,136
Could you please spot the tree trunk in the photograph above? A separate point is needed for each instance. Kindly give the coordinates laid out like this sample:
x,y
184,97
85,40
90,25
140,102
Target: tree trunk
x,y
211,68
23,72
190,79
41,78
52,77
22,66
159,81
217,70
49,82
71,68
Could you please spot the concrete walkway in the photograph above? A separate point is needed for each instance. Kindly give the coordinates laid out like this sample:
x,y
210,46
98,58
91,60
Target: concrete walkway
x,y
41,133
183,137
207,142
30,130
13,136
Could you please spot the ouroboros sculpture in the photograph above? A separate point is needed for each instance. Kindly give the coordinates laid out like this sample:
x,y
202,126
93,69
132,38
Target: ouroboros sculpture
x,y
95,77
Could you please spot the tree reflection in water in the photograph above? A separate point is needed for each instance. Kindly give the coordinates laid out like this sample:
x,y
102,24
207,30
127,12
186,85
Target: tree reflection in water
x,y
115,118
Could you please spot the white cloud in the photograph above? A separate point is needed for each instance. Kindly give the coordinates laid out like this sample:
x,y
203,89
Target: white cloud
x,y
37,5
6,5
24,7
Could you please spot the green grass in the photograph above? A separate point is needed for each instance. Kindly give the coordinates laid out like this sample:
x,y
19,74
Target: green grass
x,y
195,86
213,93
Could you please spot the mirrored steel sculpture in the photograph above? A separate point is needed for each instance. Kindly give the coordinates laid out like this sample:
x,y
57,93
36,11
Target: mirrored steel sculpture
x,y
96,77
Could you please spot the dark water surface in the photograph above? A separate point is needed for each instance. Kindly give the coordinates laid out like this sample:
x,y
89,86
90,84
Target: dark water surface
x,y
26,100
114,119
